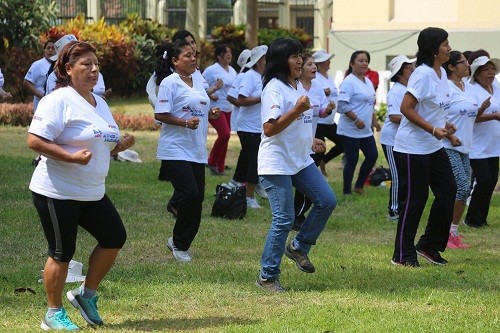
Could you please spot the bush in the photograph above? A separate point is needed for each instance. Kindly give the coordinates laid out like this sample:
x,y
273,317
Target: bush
x,y
267,36
16,114
20,114
17,62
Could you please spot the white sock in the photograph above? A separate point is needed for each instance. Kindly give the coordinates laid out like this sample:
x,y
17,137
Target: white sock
x,y
454,229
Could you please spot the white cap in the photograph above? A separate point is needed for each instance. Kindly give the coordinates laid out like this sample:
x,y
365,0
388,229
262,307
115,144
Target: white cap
x,y
62,43
129,155
322,56
257,53
243,58
481,61
397,62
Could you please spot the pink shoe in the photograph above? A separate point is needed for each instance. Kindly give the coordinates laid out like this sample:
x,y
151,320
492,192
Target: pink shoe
x,y
457,241
451,244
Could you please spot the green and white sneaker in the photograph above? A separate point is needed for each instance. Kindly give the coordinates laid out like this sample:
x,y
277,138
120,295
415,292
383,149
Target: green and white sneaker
x,y
87,307
58,322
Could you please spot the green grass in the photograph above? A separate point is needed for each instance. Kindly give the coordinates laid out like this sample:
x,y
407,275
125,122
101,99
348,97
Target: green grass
x,y
355,288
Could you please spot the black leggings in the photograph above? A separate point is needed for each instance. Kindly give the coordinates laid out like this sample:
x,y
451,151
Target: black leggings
x,y
60,220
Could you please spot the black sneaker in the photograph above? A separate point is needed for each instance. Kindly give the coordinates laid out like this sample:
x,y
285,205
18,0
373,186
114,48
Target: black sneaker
x,y
432,256
393,216
269,285
405,263
301,260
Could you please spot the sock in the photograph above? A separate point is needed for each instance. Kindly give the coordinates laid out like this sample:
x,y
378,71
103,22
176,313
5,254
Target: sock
x,y
87,292
294,245
454,229
52,311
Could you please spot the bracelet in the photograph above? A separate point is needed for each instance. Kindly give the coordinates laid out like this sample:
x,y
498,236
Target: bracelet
x,y
433,130
355,120
186,123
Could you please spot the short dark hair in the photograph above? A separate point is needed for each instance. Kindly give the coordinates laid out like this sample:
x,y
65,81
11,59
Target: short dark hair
x,y
454,57
182,34
354,55
164,67
277,59
476,54
428,43
220,49
70,55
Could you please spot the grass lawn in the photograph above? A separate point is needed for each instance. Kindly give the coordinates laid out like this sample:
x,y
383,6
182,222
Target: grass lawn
x,y
354,289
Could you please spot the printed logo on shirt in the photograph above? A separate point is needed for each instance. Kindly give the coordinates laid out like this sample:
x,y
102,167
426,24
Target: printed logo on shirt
x,y
97,133
163,100
186,108
197,113
444,105
276,106
203,103
472,114
37,118
111,137
307,119
112,126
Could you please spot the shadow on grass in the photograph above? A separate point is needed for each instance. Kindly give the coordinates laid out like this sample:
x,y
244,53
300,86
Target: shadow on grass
x,y
180,324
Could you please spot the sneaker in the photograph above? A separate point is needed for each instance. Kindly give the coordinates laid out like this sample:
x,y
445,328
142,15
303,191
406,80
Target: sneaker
x,y
393,216
58,322
182,256
455,242
474,225
252,203
269,285
405,263
216,171
432,256
87,307
261,192
301,260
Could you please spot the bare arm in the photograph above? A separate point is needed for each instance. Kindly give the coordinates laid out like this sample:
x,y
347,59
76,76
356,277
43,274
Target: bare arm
x,y
51,149
31,88
395,118
168,118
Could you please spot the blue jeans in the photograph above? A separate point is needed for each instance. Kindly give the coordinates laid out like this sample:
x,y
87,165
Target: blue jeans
x,y
279,189
352,146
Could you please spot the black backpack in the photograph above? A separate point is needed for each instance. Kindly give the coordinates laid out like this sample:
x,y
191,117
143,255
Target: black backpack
x,y
230,202
379,175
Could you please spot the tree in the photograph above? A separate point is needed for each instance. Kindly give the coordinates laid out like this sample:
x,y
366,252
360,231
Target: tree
x,y
22,22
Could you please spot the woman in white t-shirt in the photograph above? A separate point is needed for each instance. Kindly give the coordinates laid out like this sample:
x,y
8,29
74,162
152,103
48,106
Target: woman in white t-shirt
x,y
183,109
484,157
464,111
322,109
284,162
220,70
75,133
421,158
249,124
401,68
327,127
357,118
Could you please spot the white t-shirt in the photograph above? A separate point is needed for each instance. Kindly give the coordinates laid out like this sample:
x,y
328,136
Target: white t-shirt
x,y
288,152
486,135
233,92
361,98
37,74
462,113
318,100
328,83
67,119
249,119
99,88
433,97
211,74
394,99
182,101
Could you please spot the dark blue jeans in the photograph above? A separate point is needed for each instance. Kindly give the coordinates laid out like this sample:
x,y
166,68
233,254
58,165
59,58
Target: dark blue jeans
x,y
352,146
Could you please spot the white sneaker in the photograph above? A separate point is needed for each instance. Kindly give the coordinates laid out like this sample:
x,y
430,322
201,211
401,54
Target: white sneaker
x,y
233,183
261,192
181,256
252,203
